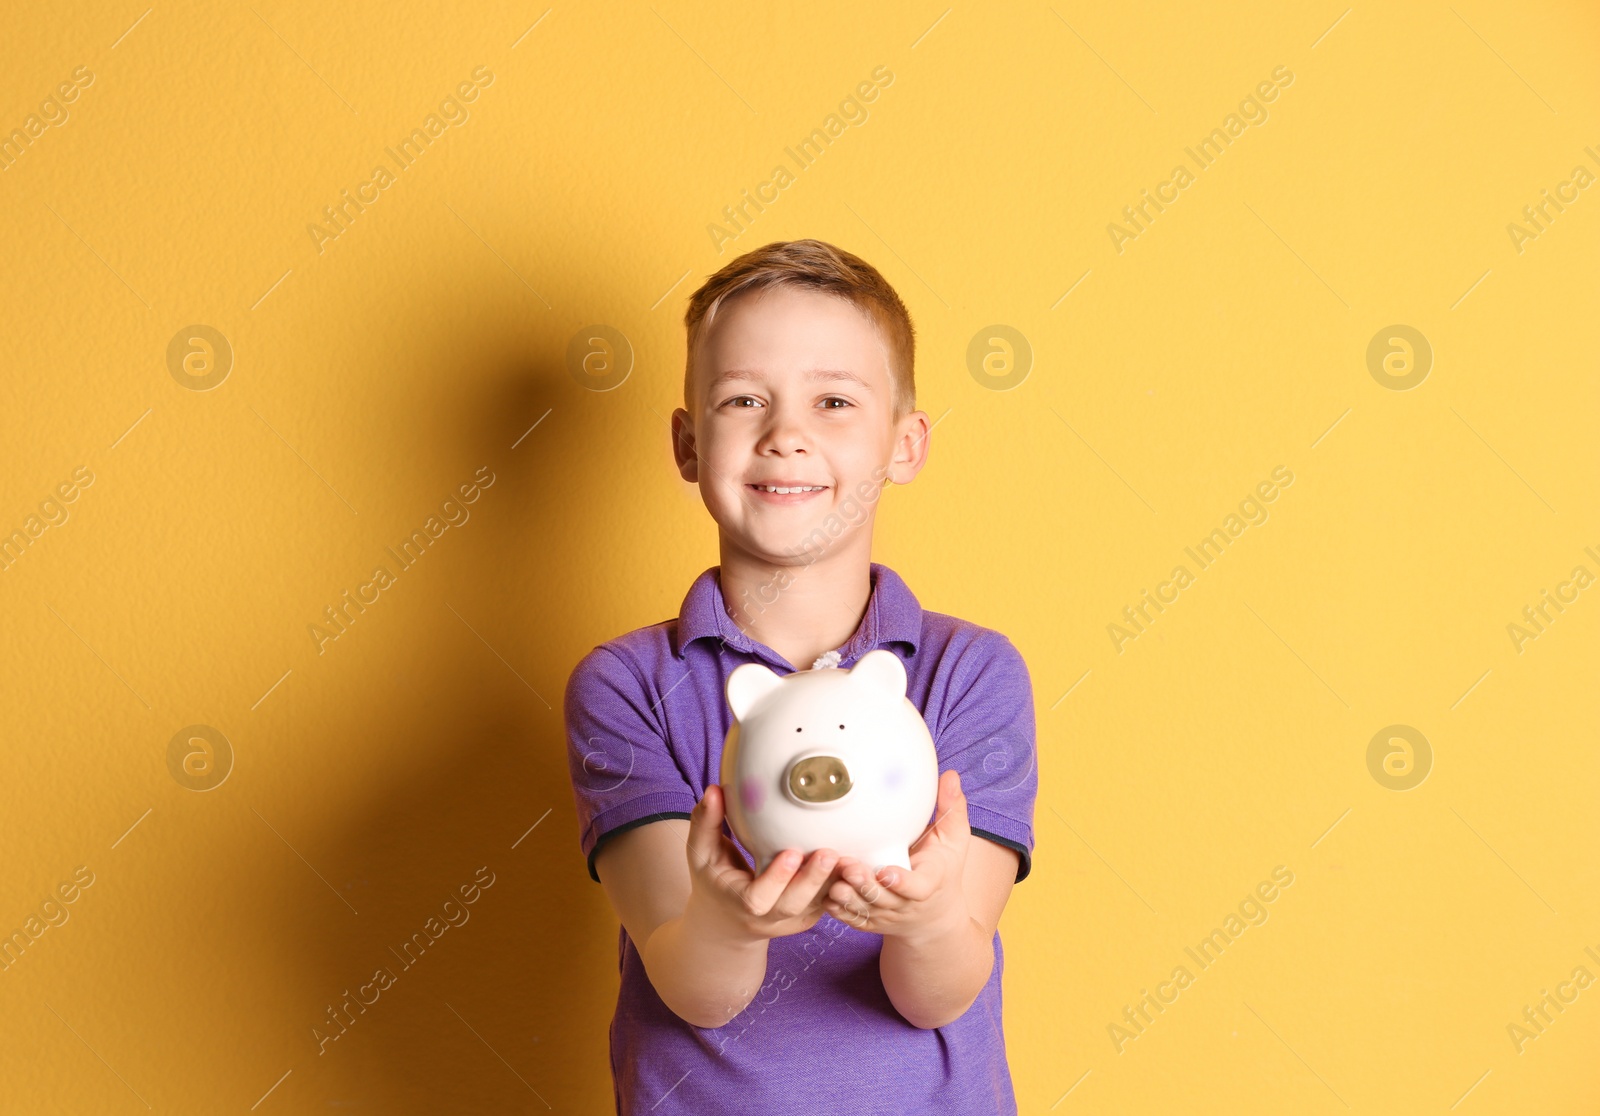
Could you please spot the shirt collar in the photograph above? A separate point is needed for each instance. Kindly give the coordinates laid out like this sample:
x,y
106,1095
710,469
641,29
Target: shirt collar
x,y
893,616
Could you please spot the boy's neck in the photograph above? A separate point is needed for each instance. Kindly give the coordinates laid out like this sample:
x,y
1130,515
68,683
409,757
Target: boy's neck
x,y
800,611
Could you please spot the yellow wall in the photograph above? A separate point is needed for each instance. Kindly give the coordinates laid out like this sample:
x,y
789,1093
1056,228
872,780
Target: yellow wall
x,y
371,375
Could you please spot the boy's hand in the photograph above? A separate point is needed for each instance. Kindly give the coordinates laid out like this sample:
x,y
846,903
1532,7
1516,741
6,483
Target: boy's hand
x,y
727,900
926,900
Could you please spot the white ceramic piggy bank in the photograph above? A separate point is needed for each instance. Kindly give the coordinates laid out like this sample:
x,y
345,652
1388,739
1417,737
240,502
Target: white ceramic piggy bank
x,y
828,758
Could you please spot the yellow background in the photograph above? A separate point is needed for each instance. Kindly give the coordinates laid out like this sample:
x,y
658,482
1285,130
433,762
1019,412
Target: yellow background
x,y
369,380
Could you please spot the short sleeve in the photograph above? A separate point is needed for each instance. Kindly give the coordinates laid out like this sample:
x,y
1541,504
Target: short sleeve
x,y
623,772
987,734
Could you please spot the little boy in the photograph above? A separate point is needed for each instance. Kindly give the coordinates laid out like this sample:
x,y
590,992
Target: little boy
x,y
821,985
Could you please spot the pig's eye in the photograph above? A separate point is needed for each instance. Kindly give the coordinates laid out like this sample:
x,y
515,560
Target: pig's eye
x,y
797,729
841,726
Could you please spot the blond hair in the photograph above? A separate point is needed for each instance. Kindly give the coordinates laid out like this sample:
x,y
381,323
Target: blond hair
x,y
819,266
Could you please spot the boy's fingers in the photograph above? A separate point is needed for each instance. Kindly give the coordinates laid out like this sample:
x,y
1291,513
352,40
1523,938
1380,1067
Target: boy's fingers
x,y
859,881
886,889
847,894
803,890
905,883
764,891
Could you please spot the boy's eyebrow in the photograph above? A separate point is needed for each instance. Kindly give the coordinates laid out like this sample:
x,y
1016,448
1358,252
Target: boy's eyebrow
x,y
813,374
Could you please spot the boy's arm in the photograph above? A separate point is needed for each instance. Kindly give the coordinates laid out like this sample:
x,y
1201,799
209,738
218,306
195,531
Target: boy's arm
x,y
938,950
700,921
704,980
933,980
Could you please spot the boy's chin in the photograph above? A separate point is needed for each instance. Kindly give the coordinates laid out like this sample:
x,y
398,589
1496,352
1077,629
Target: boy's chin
x,y
779,547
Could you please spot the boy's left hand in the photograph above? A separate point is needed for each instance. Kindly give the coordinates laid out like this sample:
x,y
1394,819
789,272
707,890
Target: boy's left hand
x,y
925,900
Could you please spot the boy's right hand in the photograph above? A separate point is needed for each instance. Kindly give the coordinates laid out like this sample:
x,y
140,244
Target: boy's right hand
x,y
727,899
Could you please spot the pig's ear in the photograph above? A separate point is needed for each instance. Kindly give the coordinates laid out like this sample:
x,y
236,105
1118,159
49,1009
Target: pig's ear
x,y
747,685
881,671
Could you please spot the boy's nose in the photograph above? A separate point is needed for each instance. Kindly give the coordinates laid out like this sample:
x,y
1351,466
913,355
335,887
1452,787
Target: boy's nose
x,y
785,433
819,779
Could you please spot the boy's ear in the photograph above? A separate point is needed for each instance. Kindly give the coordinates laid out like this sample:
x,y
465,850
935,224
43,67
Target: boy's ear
x,y
882,671
912,447
747,685
683,448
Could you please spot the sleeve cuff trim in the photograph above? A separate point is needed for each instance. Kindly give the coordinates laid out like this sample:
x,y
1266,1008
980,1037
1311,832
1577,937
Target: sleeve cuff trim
x,y
1025,862
623,828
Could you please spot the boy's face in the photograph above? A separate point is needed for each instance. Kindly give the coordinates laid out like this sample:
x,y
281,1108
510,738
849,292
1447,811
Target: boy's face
x,y
793,387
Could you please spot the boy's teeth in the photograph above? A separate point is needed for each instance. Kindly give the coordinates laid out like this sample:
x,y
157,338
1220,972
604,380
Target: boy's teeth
x,y
786,491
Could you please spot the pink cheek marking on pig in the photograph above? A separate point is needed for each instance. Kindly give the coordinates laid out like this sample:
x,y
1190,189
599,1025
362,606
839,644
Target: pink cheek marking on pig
x,y
752,794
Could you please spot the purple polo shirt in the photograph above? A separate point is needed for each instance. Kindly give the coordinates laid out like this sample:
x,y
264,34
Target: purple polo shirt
x,y
646,717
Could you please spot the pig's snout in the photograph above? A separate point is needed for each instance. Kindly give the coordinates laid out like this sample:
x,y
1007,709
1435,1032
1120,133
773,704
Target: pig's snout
x,y
819,779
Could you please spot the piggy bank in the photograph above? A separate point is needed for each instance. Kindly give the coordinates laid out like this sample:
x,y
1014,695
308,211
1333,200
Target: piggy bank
x,y
828,758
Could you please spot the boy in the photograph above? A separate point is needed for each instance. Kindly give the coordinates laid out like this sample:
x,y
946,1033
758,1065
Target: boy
x,y
820,986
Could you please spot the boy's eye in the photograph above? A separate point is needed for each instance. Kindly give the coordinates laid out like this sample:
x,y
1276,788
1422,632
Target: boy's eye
x,y
739,401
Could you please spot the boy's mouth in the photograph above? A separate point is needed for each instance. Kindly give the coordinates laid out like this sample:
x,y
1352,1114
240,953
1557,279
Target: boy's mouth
x,y
794,492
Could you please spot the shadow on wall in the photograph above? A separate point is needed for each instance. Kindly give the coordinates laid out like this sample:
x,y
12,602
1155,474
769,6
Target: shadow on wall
x,y
491,951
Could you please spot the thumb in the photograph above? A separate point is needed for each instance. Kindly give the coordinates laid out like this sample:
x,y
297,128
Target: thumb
x,y
952,807
705,829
